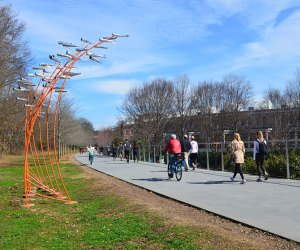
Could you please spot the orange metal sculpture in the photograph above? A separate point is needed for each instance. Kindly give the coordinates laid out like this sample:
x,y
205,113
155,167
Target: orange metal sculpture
x,y
42,175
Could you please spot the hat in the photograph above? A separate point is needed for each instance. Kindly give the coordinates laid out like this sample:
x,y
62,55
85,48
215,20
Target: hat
x,y
173,136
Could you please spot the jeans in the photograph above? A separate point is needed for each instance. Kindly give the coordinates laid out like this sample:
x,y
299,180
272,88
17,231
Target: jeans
x,y
172,164
259,160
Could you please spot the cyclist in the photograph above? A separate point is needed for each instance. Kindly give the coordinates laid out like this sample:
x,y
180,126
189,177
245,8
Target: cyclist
x,y
173,148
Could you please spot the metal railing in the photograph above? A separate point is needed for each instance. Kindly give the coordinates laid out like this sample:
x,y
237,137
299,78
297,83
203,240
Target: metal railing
x,y
283,160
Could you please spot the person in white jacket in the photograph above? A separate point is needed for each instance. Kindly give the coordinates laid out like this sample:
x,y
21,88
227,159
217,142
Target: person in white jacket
x,y
193,152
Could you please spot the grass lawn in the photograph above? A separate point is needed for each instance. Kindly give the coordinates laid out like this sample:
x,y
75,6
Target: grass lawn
x,y
99,221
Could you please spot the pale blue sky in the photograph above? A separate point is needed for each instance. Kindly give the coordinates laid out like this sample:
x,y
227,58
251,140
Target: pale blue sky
x,y
205,39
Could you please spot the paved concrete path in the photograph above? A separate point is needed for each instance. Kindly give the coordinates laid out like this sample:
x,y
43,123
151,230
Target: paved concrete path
x,y
273,206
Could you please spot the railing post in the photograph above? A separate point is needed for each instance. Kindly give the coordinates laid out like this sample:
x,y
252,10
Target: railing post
x,y
288,174
207,157
149,154
160,154
222,155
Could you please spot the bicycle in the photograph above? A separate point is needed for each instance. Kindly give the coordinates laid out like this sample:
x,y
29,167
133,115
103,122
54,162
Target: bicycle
x,y
177,166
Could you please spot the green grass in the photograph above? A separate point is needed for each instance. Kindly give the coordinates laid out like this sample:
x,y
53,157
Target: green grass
x,y
99,221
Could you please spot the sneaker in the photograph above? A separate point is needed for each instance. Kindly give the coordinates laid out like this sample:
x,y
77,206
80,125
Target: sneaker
x,y
231,178
259,179
186,170
266,176
243,181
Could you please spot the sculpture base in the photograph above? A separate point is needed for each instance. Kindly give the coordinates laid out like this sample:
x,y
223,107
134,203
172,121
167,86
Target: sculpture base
x,y
28,205
71,202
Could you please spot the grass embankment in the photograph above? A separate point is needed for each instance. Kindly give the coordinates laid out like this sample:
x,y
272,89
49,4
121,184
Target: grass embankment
x,y
99,221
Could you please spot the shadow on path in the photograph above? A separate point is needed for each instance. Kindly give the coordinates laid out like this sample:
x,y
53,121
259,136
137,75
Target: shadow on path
x,y
211,182
150,179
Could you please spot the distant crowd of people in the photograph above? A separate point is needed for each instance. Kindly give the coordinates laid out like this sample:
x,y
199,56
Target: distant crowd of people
x,y
188,149
121,151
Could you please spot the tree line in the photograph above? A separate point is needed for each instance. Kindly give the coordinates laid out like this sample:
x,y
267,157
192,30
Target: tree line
x,y
15,61
163,106
153,108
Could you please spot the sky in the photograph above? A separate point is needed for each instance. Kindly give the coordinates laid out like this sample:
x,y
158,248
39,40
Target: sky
x,y
205,39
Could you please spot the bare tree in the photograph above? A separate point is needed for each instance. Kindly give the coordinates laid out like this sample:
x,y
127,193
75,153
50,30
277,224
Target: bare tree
x,y
14,53
150,107
14,58
281,114
206,102
183,104
105,136
292,91
275,97
221,104
72,130
237,92
292,97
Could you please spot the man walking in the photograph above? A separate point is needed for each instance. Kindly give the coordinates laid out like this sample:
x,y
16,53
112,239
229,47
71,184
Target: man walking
x,y
127,149
185,148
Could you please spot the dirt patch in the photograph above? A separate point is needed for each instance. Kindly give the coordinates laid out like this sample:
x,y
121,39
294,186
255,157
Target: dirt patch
x,y
178,213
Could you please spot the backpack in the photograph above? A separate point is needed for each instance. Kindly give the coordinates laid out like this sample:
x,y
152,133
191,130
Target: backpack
x,y
262,148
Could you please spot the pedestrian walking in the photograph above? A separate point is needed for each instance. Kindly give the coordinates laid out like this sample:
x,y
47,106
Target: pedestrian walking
x,y
260,150
238,152
121,151
101,150
194,152
127,147
89,148
136,152
91,154
185,149
114,152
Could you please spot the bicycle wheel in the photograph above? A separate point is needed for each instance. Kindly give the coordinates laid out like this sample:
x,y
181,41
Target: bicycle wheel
x,y
169,170
178,170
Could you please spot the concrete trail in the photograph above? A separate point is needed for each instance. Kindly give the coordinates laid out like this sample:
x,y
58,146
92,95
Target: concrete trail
x,y
273,206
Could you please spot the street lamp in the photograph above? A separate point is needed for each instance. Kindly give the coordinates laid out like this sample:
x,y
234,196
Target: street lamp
x,y
268,130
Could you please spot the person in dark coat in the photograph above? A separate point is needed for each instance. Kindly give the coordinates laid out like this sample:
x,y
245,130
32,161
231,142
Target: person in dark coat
x,y
185,148
114,152
136,152
127,149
